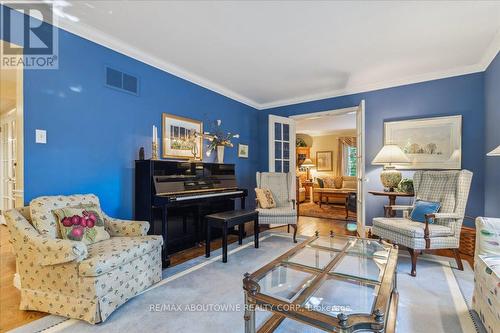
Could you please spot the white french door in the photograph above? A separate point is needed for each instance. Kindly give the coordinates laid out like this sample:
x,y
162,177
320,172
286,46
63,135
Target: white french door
x,y
282,146
360,156
8,160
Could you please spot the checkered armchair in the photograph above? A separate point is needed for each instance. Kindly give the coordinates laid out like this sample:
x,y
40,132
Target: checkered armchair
x,y
286,209
451,189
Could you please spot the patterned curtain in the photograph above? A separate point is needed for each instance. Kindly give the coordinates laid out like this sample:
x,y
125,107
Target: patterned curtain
x,y
343,142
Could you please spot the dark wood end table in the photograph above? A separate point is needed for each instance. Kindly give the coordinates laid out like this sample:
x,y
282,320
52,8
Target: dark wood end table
x,y
227,220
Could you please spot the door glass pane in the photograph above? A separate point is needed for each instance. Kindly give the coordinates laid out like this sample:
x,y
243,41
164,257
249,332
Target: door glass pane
x,y
277,131
277,150
286,132
277,165
286,166
286,150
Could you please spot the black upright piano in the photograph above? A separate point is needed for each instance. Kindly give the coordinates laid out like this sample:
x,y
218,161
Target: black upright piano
x,y
175,196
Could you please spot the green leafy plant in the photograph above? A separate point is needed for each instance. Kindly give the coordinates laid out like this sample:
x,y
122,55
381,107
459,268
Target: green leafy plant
x,y
406,185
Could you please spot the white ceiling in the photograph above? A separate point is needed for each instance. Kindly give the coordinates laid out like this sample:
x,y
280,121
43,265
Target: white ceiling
x,y
275,53
325,124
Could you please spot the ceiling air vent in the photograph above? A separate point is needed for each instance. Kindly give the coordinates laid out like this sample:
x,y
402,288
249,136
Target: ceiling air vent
x,y
122,81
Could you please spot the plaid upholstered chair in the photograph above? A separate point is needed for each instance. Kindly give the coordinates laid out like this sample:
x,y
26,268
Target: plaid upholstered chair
x,y
286,209
441,230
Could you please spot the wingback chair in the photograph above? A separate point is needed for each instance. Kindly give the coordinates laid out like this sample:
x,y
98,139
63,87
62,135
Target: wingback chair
x,y
75,280
286,209
451,189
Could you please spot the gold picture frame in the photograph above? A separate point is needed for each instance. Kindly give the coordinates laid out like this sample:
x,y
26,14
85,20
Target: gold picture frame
x,y
324,160
182,138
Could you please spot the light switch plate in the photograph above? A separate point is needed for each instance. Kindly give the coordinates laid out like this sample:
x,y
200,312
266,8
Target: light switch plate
x,y
40,136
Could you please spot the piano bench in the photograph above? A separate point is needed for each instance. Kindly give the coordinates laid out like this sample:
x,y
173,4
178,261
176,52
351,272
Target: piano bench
x,y
227,220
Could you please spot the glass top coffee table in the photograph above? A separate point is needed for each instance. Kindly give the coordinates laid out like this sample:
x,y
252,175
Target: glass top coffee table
x,y
334,283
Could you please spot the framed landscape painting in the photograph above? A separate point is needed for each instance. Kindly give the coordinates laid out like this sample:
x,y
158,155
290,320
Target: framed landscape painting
x,y
429,143
324,161
181,137
242,150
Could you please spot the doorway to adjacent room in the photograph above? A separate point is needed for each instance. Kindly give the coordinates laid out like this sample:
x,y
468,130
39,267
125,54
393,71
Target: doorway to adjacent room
x,y
326,151
11,138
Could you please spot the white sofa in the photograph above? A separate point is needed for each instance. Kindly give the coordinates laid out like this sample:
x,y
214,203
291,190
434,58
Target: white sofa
x,y
486,298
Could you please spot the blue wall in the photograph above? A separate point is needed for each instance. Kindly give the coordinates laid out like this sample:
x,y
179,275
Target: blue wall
x,y
457,95
492,140
93,136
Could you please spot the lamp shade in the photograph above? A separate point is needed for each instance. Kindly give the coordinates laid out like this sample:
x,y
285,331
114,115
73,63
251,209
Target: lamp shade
x,y
307,163
390,154
494,152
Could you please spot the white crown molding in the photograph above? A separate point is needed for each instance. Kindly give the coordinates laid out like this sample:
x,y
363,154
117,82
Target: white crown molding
x,y
377,86
98,37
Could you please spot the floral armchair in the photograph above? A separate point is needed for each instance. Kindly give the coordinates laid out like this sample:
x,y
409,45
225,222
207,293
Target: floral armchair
x,y
71,279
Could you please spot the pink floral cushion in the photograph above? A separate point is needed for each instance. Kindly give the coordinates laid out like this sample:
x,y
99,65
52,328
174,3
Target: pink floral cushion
x,y
82,223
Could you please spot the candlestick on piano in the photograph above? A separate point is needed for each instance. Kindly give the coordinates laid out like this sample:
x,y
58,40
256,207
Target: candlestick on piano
x,y
154,145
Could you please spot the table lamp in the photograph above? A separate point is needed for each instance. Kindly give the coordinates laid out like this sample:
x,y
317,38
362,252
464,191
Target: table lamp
x,y
387,156
307,164
494,152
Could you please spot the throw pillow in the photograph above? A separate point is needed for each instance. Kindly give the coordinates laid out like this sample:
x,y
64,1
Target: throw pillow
x,y
329,182
265,198
338,182
423,207
81,223
321,183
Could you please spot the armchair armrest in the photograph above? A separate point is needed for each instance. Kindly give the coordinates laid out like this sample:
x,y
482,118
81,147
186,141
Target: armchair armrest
x,y
429,217
405,209
400,207
453,216
125,228
48,251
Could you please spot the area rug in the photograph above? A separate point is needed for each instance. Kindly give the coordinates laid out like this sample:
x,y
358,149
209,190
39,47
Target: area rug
x,y
328,211
206,295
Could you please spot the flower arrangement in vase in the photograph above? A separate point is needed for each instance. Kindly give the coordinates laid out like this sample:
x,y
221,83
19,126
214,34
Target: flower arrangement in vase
x,y
219,139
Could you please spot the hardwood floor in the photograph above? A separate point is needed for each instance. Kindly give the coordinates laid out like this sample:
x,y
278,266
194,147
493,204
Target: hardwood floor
x,y
11,317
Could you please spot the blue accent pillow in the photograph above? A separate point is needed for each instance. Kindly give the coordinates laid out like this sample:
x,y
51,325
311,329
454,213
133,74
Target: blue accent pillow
x,y
423,207
321,183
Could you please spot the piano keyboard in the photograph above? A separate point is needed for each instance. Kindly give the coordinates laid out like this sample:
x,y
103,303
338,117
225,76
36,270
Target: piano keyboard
x,y
201,196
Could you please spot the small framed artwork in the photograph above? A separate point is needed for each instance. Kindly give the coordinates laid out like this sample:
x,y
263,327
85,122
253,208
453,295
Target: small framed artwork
x,y
182,138
242,150
429,143
324,161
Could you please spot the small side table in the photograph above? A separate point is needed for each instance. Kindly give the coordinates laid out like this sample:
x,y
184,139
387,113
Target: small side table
x,y
308,185
392,198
